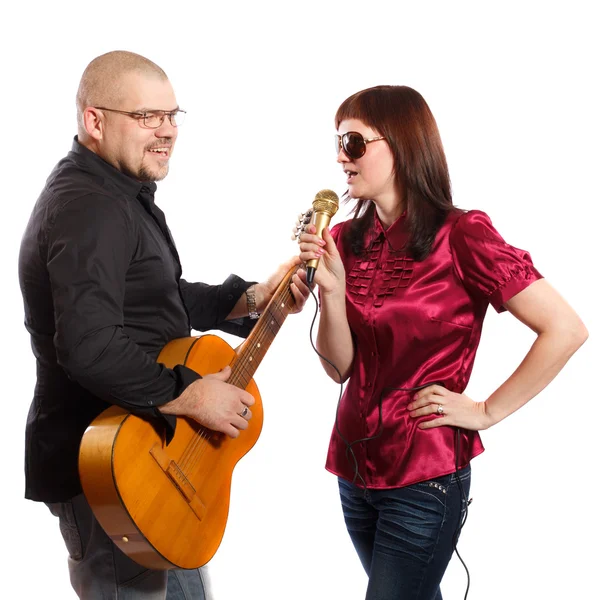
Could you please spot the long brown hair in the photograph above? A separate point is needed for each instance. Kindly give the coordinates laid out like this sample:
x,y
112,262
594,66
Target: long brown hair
x,y
402,116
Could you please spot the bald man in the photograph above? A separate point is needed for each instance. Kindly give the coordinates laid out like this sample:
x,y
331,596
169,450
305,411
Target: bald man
x,y
103,293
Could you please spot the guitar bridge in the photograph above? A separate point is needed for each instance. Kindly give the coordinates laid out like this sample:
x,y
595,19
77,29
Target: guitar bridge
x,y
180,480
177,476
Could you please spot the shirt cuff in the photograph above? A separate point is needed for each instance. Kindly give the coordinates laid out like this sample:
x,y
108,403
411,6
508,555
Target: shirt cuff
x,y
184,376
513,286
232,288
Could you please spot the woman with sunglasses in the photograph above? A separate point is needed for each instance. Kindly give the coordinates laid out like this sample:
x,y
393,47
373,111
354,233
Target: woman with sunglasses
x,y
404,287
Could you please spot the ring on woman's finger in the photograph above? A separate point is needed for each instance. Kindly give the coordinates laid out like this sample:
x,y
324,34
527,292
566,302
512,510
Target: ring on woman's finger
x,y
440,409
244,412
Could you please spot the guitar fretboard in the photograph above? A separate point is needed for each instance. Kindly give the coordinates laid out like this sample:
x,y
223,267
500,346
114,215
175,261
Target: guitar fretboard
x,y
268,325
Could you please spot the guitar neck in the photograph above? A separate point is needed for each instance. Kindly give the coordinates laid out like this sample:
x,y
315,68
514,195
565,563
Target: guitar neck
x,y
268,325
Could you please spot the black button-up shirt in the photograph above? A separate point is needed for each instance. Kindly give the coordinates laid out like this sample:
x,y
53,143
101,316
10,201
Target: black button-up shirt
x,y
102,290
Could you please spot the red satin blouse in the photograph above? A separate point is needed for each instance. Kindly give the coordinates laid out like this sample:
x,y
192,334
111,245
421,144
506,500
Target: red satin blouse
x,y
416,323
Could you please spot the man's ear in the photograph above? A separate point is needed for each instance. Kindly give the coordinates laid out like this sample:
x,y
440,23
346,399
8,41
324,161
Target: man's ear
x,y
93,123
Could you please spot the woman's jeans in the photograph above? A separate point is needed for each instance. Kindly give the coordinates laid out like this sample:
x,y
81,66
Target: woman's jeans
x,y
405,536
100,571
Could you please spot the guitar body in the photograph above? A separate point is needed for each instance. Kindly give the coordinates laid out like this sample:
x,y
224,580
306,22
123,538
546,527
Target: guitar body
x,y
165,505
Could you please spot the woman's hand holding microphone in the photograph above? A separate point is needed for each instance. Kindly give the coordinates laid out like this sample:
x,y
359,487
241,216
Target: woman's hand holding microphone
x,y
330,275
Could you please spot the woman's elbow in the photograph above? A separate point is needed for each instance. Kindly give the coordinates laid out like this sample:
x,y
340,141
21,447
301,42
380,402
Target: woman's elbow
x,y
335,374
573,335
580,334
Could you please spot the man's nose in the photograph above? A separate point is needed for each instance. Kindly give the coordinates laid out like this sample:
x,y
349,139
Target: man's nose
x,y
166,129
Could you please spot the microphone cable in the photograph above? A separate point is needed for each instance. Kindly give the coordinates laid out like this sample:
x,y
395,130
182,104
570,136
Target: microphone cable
x,y
354,461
463,501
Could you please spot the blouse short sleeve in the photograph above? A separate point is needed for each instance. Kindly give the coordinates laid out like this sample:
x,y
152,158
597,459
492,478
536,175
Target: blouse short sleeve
x,y
489,267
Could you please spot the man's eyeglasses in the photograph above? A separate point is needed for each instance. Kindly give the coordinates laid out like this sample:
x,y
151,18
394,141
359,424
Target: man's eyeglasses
x,y
152,119
353,144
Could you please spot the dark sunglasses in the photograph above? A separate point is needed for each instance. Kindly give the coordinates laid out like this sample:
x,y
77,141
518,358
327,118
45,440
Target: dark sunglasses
x,y
353,144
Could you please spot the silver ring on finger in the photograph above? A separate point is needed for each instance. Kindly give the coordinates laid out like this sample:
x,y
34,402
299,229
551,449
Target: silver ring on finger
x,y
440,409
244,412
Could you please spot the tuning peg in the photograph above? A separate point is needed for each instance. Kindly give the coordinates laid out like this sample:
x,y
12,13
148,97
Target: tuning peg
x,y
302,221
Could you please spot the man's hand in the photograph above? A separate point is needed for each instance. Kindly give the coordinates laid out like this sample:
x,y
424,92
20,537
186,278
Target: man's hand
x,y
298,286
214,403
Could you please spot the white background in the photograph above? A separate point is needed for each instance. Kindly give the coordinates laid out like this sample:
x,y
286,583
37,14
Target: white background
x,y
513,87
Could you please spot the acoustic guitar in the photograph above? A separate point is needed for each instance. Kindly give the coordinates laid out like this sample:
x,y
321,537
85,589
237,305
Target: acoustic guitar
x,y
166,506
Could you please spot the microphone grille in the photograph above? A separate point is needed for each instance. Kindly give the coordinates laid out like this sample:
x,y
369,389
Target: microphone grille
x,y
326,201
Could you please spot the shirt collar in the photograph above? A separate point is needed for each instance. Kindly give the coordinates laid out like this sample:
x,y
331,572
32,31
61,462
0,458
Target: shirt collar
x,y
98,166
396,234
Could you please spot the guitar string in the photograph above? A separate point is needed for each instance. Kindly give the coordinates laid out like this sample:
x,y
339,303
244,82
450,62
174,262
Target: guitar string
x,y
201,440
200,443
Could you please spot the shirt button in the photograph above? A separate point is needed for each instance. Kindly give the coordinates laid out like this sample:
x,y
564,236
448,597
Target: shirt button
x,y
150,403
236,285
230,297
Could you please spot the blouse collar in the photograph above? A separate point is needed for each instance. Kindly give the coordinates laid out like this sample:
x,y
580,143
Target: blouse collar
x,y
396,234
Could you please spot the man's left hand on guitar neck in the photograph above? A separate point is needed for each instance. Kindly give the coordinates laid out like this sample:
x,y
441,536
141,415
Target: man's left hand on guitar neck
x,y
263,292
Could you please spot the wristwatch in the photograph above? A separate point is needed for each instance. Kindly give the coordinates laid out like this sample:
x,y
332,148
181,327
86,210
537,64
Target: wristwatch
x,y
251,300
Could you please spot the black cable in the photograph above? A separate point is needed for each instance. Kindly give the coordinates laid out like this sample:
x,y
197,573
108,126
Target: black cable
x,y
349,451
337,428
463,499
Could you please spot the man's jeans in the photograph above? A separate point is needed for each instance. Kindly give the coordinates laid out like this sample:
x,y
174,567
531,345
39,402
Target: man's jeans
x,y
404,537
100,571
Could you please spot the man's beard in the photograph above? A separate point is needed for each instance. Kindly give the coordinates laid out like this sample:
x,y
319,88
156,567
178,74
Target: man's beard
x,y
144,174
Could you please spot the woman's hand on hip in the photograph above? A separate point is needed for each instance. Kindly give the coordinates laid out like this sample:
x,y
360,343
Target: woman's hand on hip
x,y
448,408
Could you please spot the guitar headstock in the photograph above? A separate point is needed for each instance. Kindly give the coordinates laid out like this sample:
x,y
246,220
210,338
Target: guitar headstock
x,y
301,222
